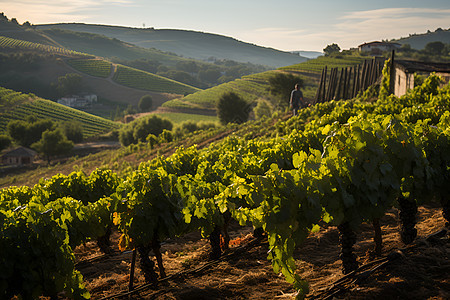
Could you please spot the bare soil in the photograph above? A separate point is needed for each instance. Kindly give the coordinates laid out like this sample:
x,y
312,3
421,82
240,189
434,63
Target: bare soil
x,y
421,271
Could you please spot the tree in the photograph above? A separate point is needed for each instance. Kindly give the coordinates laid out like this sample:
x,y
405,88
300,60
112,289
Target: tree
x,y
138,130
5,141
53,142
281,86
231,108
188,66
333,48
73,130
209,75
28,132
69,84
435,48
145,103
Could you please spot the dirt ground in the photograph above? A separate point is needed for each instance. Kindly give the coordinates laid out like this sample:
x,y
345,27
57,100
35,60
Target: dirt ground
x,y
421,271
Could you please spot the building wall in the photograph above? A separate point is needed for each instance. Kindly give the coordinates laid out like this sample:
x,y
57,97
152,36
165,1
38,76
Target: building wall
x,y
403,82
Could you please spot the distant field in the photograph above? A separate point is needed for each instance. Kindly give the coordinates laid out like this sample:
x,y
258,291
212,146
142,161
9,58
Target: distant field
x,y
252,87
93,67
10,43
176,118
316,65
18,106
138,79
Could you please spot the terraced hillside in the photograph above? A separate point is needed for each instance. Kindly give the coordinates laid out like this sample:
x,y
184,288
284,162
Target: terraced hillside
x,y
255,86
18,106
93,67
107,47
8,43
138,79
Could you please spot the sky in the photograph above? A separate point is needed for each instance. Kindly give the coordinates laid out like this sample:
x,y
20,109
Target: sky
x,y
288,25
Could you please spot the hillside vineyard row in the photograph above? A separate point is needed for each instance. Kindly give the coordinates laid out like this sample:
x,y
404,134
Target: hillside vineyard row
x,y
341,163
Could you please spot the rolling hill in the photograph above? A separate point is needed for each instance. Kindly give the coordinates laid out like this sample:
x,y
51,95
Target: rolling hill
x,y
18,106
418,41
192,44
118,85
252,87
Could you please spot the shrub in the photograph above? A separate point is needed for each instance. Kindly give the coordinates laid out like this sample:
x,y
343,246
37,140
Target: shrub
x,y
231,108
145,103
138,130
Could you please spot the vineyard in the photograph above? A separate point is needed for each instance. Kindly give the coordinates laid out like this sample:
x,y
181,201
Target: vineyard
x,y
93,67
252,87
138,79
10,43
316,65
18,106
337,163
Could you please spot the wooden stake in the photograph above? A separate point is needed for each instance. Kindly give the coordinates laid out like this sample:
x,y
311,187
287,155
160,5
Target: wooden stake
x,y
133,264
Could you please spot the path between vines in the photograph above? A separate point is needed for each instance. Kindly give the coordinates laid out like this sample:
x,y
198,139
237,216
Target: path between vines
x,y
424,272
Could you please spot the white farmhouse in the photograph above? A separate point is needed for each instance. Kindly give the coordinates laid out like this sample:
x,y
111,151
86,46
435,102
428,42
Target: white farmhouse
x,y
76,101
378,47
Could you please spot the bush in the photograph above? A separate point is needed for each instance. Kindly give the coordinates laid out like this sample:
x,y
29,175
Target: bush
x,y
53,142
5,141
73,131
263,108
145,103
138,130
231,108
28,132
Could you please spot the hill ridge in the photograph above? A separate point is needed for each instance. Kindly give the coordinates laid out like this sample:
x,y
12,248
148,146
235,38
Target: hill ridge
x,y
182,42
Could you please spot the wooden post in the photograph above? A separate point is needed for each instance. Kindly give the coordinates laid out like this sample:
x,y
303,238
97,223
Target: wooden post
x,y
324,83
355,80
330,85
333,91
319,89
358,81
133,264
339,83
348,90
392,77
345,86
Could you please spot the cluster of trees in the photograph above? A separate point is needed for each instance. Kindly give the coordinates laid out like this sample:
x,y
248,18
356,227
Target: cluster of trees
x,y
14,69
154,130
432,50
199,74
5,19
43,135
139,130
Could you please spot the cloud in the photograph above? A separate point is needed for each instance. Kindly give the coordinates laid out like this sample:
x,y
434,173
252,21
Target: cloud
x,y
353,28
363,26
56,10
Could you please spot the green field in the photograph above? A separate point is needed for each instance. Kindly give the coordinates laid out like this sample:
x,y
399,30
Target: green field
x,y
138,79
17,106
252,87
93,67
176,118
10,43
316,65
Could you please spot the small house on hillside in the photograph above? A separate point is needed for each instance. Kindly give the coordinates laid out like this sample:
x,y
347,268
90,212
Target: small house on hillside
x,y
78,101
404,71
18,156
378,47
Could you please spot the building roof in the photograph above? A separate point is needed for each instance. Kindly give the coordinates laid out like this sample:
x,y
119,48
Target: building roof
x,y
20,151
411,66
378,43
